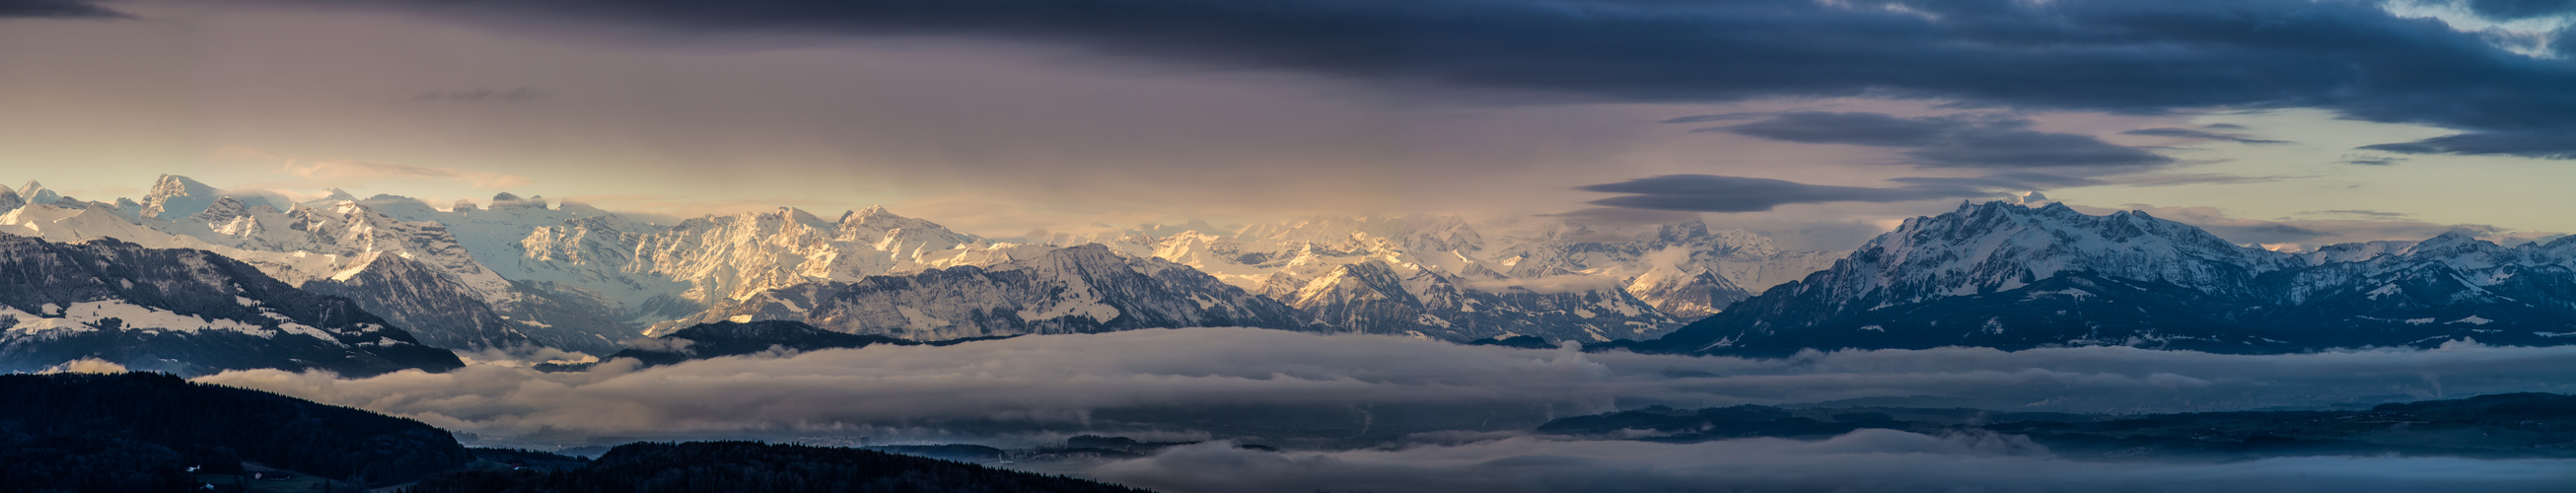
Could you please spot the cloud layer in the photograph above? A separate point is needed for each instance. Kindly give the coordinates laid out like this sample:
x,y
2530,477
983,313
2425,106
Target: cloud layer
x,y
1870,460
1715,193
1970,140
1233,382
2353,57
67,9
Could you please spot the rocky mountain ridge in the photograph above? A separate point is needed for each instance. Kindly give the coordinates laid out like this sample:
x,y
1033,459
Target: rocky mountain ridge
x,y
184,311
2011,276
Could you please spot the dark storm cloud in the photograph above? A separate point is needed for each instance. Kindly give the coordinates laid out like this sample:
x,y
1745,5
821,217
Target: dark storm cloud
x,y
2372,160
1712,193
2555,144
2194,134
2349,56
57,9
1982,140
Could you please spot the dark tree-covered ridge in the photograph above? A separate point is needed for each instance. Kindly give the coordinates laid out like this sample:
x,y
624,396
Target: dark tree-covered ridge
x,y
137,431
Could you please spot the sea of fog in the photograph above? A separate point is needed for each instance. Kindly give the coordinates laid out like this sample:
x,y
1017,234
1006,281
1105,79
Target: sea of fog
x,y
1375,413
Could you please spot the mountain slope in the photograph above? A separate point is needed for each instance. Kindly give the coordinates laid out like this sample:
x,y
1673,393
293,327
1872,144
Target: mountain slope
x,y
573,277
417,294
1464,280
2014,277
182,311
1082,289
735,339
1370,297
451,299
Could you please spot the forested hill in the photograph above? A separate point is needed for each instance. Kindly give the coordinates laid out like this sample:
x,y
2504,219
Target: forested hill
x,y
723,467
141,431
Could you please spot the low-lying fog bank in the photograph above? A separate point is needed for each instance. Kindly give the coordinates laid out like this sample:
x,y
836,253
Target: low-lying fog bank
x,y
1371,413
1860,461
1294,389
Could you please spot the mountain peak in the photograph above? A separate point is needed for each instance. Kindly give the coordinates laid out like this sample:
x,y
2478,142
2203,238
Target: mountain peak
x,y
223,209
1367,278
36,193
799,216
505,200
174,196
336,196
1682,231
1999,245
2451,242
568,205
170,180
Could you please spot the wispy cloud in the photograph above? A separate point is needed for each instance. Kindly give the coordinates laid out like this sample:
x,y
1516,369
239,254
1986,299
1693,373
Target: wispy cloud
x,y
1715,193
2358,212
2204,133
2325,228
1959,140
2180,179
2367,160
342,172
483,95
675,207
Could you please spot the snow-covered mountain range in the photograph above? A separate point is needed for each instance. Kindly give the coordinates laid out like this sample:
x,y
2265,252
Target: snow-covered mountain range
x,y
1080,289
522,272
183,311
1441,276
415,274
2012,276
527,273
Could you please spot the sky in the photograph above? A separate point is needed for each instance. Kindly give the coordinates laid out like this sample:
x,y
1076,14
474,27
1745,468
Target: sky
x,y
1821,122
